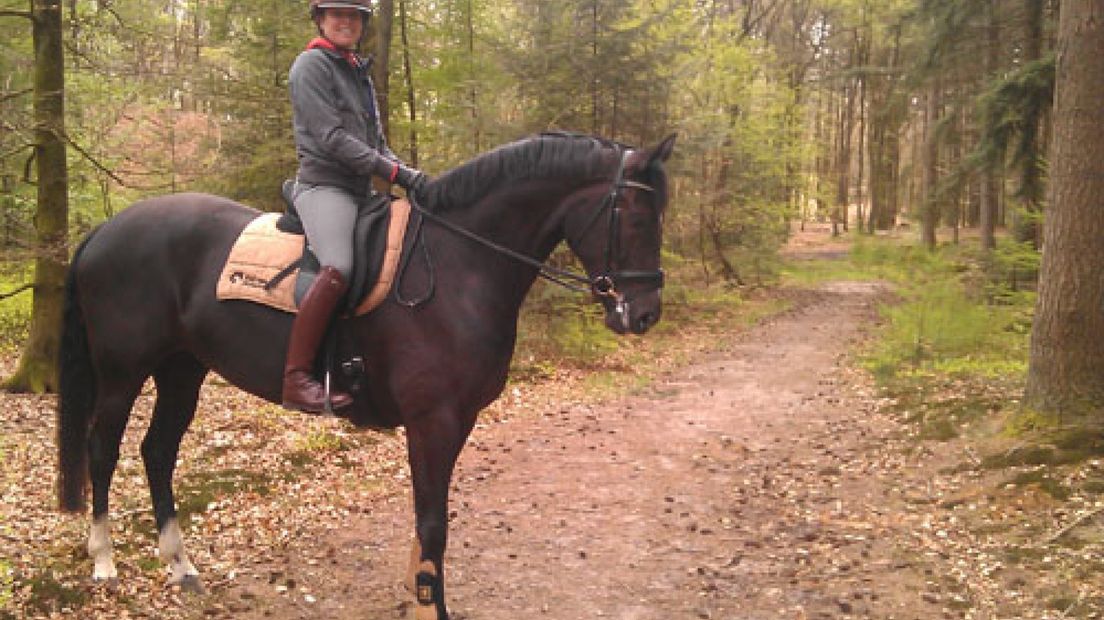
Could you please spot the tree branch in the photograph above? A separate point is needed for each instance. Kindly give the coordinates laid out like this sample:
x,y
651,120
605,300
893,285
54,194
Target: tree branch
x,y
95,162
16,94
27,167
17,291
15,151
1072,525
10,13
104,169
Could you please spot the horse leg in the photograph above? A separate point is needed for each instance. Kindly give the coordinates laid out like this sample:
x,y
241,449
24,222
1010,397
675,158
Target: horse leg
x,y
178,381
433,445
110,415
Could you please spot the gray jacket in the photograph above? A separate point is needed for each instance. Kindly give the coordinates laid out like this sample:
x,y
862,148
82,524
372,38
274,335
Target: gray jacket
x,y
338,135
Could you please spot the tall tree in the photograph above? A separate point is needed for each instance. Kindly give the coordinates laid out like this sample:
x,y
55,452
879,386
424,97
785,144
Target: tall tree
x,y
408,80
990,192
929,206
1067,347
889,105
844,128
381,65
1033,144
37,370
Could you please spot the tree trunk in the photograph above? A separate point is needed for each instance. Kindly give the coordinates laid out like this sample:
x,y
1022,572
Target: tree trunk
x,y
843,157
473,79
409,74
381,65
1032,183
988,184
37,371
1067,347
595,60
728,270
886,106
929,209
863,46
954,201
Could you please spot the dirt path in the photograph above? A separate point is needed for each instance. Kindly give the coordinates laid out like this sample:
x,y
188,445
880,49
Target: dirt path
x,y
742,486
765,481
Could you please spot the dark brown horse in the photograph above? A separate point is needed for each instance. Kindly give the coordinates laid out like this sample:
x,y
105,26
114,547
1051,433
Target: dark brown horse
x,y
140,302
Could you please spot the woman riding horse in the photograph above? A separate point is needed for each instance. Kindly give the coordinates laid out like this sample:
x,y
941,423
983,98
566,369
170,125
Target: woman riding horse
x,y
340,145
141,304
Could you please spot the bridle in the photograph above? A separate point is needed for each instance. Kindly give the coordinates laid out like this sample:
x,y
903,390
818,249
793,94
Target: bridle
x,y
604,285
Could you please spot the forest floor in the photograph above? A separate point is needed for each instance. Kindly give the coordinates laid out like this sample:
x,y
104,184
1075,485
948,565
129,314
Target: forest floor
x,y
764,478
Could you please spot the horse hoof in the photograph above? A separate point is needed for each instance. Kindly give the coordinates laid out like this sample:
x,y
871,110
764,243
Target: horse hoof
x,y
111,584
190,584
427,612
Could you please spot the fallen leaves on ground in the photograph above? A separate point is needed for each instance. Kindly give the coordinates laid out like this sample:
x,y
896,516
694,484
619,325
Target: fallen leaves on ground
x,y
857,508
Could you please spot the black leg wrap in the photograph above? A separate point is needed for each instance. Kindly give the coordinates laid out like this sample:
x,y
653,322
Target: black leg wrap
x,y
427,589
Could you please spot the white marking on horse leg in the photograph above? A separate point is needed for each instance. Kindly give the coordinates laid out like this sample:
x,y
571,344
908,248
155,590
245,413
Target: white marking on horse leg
x,y
100,550
412,568
171,550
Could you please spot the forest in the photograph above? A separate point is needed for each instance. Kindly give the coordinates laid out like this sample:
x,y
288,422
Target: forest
x,y
870,114
873,115
960,127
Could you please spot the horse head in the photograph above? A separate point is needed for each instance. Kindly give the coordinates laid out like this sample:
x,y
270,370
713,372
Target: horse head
x,y
619,240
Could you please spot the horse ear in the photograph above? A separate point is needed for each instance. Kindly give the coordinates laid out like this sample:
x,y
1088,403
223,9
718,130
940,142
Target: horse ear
x,y
654,157
663,150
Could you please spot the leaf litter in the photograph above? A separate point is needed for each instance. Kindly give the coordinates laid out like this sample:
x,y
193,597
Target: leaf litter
x,y
760,481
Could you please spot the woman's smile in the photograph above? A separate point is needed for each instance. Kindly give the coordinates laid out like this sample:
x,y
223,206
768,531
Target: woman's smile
x,y
342,26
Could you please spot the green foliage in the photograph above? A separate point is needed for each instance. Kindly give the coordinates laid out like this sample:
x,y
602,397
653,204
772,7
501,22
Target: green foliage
x,y
561,325
48,594
324,440
198,490
946,353
867,259
1011,267
939,327
6,582
1011,110
15,311
582,333
737,124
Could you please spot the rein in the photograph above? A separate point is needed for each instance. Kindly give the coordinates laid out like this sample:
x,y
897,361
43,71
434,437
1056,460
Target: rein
x,y
604,285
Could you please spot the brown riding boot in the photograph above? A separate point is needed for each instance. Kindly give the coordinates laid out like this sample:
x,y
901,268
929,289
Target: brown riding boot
x,y
302,391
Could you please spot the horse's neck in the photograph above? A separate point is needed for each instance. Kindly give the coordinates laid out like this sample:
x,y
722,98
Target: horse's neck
x,y
528,225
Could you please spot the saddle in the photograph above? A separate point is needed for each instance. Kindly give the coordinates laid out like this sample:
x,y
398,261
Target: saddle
x,y
272,264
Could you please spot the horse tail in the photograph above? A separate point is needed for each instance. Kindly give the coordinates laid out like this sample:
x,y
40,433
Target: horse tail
x,y
76,397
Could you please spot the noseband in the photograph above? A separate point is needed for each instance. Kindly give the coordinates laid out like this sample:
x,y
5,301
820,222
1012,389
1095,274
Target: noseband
x,y
604,285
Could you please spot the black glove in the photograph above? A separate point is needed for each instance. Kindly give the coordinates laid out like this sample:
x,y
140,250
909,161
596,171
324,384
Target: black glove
x,y
410,179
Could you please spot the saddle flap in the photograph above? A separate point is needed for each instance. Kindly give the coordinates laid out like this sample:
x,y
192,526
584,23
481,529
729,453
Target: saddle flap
x,y
263,251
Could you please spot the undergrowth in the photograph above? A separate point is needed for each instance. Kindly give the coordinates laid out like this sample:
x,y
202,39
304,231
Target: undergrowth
x,y
953,347
15,311
562,329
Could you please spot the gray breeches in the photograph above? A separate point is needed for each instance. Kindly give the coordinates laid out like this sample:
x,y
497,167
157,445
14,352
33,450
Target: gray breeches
x,y
329,218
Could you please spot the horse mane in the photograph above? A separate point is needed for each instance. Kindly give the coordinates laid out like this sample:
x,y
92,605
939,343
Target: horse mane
x,y
546,155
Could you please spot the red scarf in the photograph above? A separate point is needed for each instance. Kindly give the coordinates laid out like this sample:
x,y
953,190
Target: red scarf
x,y
325,43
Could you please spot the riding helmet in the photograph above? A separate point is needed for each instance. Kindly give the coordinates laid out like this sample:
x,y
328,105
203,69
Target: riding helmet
x,y
364,6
